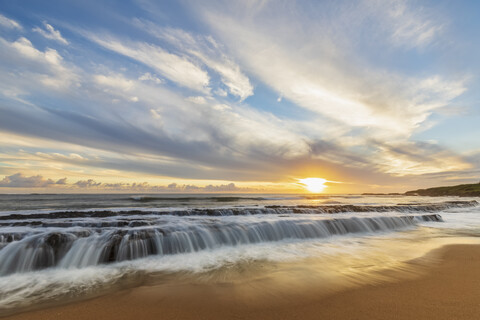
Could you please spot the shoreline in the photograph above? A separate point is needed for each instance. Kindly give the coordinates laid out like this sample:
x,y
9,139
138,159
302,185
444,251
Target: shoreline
x,y
446,289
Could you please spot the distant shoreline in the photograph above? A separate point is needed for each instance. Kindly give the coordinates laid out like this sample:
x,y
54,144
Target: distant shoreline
x,y
462,190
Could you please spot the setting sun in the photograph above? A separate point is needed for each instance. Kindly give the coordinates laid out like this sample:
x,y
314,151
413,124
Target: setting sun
x,y
315,185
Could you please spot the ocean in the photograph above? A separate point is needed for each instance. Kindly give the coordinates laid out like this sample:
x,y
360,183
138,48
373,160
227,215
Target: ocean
x,y
62,247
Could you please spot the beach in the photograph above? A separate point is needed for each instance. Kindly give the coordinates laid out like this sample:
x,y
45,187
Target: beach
x,y
444,286
239,160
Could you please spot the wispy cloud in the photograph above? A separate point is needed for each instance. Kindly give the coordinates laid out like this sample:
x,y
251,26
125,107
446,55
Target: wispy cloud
x,y
45,67
147,76
173,67
9,23
206,50
411,26
49,32
416,158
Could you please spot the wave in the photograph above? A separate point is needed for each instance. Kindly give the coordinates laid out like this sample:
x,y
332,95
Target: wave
x,y
80,248
401,207
214,199
10,219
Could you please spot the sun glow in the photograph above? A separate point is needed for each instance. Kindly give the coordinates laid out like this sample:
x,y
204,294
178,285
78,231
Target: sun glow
x,y
315,185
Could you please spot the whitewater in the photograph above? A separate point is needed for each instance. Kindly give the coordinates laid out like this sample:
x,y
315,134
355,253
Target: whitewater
x,y
60,247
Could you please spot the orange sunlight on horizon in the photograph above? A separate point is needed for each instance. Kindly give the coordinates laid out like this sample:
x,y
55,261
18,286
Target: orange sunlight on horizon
x,y
314,185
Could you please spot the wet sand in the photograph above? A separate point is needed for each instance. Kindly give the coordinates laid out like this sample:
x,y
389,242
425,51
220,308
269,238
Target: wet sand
x,y
446,289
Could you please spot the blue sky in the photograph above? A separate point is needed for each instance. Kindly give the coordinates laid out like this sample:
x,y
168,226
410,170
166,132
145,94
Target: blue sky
x,y
229,96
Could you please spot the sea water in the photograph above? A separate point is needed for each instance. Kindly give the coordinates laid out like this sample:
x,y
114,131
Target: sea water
x,y
55,247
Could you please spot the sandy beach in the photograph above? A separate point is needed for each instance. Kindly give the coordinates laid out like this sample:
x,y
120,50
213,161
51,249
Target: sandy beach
x,y
448,288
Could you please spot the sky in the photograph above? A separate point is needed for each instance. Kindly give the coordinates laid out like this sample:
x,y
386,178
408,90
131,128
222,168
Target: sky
x,y
238,96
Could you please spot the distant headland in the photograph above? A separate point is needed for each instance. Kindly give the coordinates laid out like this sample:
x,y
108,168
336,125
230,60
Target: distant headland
x,y
462,190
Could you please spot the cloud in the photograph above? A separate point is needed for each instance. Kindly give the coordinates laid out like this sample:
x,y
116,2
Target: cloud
x,y
173,187
207,142
18,180
416,158
61,181
237,83
206,50
222,188
27,67
411,27
190,133
330,77
90,183
50,33
220,92
9,23
149,77
173,67
196,100
117,82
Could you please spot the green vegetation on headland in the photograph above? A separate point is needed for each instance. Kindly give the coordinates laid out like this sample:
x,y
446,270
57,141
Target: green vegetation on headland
x,y
462,190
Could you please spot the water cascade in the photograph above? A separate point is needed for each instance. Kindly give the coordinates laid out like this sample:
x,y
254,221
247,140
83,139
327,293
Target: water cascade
x,y
80,242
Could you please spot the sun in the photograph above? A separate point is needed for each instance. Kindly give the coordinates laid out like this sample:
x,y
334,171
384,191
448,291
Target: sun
x,y
315,185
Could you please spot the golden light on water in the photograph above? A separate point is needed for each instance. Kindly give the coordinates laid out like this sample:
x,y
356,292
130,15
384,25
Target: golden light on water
x,y
315,185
